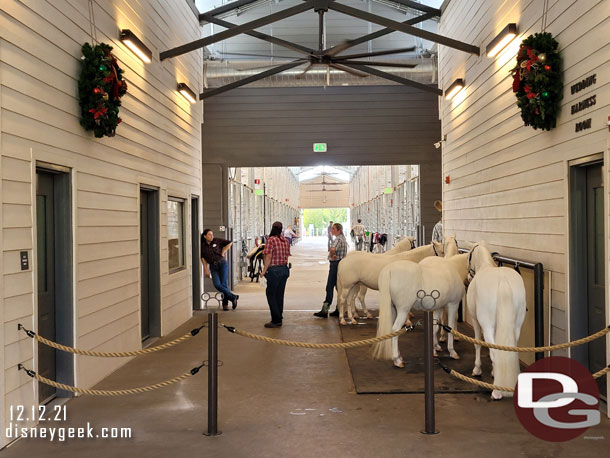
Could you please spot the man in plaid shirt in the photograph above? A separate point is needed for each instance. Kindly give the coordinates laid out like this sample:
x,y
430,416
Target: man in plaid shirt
x,y
276,271
338,250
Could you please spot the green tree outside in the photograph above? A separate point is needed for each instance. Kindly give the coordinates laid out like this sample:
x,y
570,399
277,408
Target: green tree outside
x,y
320,217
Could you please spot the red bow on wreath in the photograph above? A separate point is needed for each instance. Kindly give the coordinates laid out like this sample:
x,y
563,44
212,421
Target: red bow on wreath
x,y
533,58
113,77
99,111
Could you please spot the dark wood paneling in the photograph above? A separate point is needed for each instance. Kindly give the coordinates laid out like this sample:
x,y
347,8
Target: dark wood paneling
x,y
363,125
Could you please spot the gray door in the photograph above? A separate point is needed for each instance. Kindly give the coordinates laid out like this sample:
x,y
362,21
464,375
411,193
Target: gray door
x,y
595,269
196,257
45,254
144,265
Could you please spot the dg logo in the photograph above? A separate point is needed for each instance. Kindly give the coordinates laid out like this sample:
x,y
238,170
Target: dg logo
x,y
557,399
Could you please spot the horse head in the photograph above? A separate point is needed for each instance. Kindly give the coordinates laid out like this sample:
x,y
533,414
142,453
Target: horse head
x,y
479,257
450,246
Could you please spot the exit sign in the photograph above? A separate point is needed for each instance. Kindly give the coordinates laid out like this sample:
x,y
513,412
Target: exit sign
x,y
319,147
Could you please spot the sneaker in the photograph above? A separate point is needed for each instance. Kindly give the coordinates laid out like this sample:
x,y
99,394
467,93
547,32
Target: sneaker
x,y
321,314
225,307
271,324
335,313
234,301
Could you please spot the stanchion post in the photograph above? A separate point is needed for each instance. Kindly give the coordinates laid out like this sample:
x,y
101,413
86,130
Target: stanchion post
x,y
212,375
429,374
539,308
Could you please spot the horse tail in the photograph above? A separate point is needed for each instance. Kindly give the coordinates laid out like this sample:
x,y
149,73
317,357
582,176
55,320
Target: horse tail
x,y
506,363
383,350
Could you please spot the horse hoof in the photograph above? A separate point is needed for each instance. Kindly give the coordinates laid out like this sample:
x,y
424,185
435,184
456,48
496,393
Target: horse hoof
x,y
369,316
437,347
408,323
435,354
354,321
399,363
496,395
477,372
454,355
342,322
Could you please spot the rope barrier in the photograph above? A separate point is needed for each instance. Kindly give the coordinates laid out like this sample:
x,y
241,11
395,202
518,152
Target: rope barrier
x,y
590,338
491,387
289,343
141,389
110,354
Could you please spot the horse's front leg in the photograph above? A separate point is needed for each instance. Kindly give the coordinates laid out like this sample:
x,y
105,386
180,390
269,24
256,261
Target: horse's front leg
x,y
342,296
452,310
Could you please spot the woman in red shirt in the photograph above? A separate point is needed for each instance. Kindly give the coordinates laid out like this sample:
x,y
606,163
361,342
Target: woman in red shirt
x,y
276,252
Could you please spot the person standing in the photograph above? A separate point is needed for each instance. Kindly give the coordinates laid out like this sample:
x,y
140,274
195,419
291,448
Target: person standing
x,y
215,265
329,233
437,231
336,253
359,234
289,234
276,271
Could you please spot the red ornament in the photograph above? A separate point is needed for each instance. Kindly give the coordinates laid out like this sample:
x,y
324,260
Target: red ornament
x,y
547,67
97,90
531,95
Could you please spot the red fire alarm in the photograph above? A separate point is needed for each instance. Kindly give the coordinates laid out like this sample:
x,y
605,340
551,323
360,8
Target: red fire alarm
x,y
447,179
286,199
257,181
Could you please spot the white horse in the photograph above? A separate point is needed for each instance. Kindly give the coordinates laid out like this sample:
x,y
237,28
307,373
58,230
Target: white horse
x,y
496,305
404,245
432,284
360,268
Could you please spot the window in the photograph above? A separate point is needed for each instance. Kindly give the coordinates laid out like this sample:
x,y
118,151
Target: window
x,y
175,234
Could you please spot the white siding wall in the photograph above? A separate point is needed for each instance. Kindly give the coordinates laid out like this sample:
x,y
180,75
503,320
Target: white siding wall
x,y
509,183
158,144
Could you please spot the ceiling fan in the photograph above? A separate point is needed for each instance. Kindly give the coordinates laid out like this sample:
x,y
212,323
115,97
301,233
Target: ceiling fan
x,y
330,59
324,184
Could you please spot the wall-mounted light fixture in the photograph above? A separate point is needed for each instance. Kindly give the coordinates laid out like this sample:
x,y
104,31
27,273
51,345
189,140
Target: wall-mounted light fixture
x,y
187,93
136,46
456,87
502,40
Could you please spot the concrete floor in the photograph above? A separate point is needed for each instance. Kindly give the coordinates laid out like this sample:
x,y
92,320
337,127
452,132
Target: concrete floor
x,y
286,402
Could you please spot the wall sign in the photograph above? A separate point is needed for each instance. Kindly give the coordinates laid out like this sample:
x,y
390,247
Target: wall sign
x,y
583,125
583,104
584,84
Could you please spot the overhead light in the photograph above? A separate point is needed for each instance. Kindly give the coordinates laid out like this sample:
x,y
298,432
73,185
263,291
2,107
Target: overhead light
x,y
456,87
136,46
187,93
504,38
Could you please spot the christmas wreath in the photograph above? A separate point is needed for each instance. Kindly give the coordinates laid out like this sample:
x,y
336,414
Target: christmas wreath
x,y
538,81
100,89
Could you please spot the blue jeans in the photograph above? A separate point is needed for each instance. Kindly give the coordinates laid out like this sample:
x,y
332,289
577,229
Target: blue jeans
x,y
276,276
331,282
220,276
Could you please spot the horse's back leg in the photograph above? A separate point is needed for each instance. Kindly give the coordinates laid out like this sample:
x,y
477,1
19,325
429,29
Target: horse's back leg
x,y
452,310
361,295
477,348
401,315
352,315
